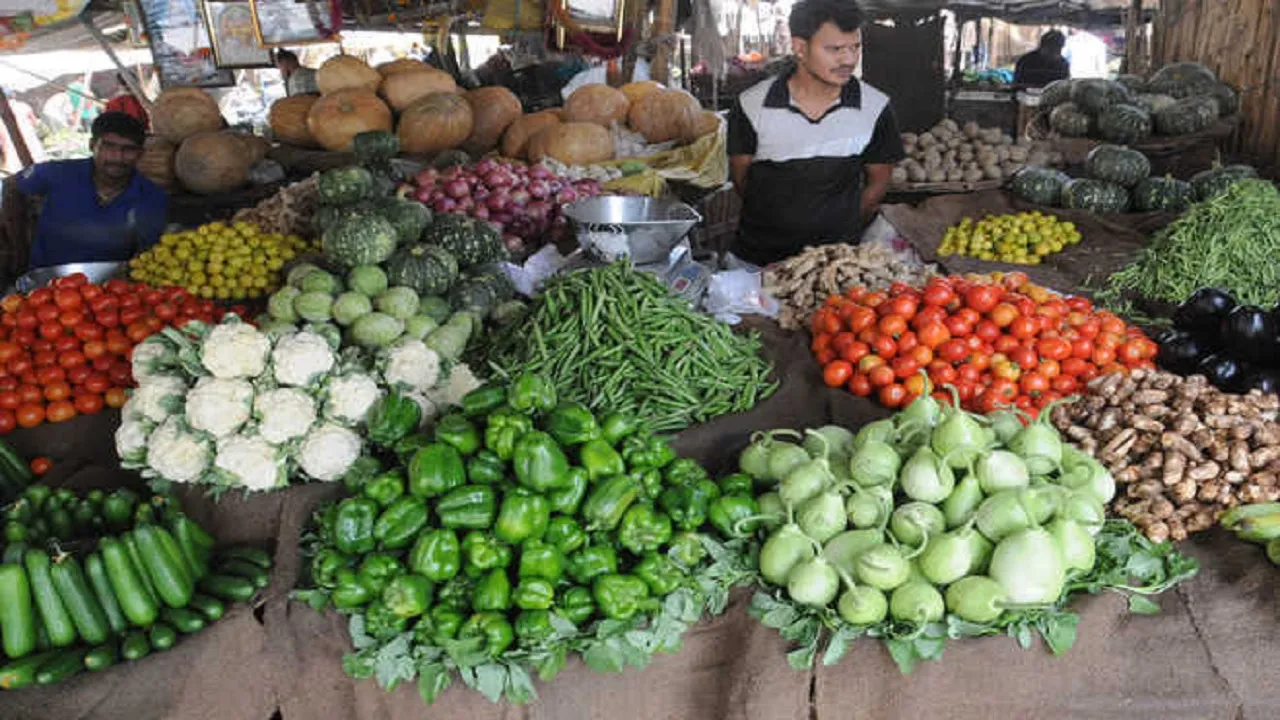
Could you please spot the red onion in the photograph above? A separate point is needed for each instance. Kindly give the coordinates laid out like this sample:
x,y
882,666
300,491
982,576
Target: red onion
x,y
498,200
465,204
539,189
513,243
519,197
457,189
445,205
424,195
538,209
480,212
540,172
484,166
566,196
426,177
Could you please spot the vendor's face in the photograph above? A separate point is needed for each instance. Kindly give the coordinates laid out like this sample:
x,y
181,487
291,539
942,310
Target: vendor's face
x,y
114,156
286,68
831,55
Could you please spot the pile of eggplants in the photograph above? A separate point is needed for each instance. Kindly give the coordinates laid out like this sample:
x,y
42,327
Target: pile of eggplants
x,y
1237,347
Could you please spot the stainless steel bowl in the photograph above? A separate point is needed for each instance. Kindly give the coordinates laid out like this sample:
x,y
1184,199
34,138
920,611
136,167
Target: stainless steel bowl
x,y
97,272
641,228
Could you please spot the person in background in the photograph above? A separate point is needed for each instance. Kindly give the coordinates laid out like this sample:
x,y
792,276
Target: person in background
x,y
125,102
27,124
97,209
1045,64
298,80
84,106
811,151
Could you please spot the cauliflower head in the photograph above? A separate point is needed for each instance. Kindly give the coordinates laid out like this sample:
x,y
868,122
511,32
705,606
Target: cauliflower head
x,y
350,397
235,350
175,454
411,365
151,357
450,393
302,357
250,462
159,397
131,441
284,414
328,451
219,406
429,409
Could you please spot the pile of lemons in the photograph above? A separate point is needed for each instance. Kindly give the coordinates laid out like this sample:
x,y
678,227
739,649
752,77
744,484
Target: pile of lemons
x,y
1022,239
220,261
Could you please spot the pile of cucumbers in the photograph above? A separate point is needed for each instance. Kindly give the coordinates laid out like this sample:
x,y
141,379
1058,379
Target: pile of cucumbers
x,y
15,475
89,579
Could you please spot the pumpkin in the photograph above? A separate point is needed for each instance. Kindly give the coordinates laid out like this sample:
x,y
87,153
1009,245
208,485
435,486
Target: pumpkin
x,y
1093,96
493,109
1153,103
1187,116
403,89
664,115
344,185
401,65
1067,119
439,121
212,162
472,242
1164,193
1055,94
1227,97
408,217
255,145
1212,182
1096,196
428,269
1123,123
1039,185
156,162
636,90
359,239
1116,164
572,143
375,146
706,123
337,118
180,113
1182,79
1135,83
515,141
343,72
599,104
288,120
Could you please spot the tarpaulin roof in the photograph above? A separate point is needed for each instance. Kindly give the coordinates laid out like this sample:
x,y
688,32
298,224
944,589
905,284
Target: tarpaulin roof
x,y
1047,11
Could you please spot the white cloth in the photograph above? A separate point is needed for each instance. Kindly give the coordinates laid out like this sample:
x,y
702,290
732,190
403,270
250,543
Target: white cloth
x,y
599,75
302,82
1087,55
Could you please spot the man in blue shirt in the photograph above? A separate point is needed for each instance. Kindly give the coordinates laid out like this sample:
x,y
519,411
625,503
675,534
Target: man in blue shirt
x,y
98,209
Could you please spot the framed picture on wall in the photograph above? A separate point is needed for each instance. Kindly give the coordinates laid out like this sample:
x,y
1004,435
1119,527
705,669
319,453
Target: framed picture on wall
x,y
295,22
180,45
235,42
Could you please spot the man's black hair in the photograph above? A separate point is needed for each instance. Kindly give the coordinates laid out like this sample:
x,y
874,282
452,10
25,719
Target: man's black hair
x,y
118,123
1054,40
286,55
809,15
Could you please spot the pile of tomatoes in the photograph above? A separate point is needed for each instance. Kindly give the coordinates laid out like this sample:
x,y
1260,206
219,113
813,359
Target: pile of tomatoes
x,y
1001,343
65,349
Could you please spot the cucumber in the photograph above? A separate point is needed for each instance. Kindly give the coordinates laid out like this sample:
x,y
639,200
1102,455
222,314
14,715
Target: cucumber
x,y
62,666
13,553
170,580
227,587
247,570
170,546
21,673
257,556
137,606
135,646
101,657
17,616
101,584
184,620
210,607
14,466
81,604
131,544
193,546
162,637
62,631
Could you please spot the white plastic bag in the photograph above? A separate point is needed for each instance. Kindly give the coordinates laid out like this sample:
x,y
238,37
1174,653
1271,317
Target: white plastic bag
x,y
734,293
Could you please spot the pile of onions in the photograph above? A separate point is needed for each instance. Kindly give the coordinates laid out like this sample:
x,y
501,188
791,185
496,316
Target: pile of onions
x,y
523,201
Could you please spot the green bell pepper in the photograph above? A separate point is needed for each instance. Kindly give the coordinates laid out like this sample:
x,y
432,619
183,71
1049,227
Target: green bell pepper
x,y
590,562
542,560
530,393
660,573
483,400
364,469
609,501
399,524
572,423
456,593
381,623
565,534
534,594
435,470
353,525
727,510
456,430
469,506
522,516
482,551
377,569
503,430
686,549
576,604
650,481
409,446
117,508
617,426
391,418
385,488
539,463
408,596
645,451
445,623
325,566
688,504
349,591
621,596
486,468
436,555
600,460
643,529
737,484
533,627
493,591
683,471
567,499
493,627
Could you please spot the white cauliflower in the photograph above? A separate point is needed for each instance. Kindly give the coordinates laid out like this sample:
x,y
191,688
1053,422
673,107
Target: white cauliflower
x,y
175,454
350,397
410,364
235,350
131,441
152,357
159,397
302,357
450,393
429,409
219,406
328,451
250,462
284,414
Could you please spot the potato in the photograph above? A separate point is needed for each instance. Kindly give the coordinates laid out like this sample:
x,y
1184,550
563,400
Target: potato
x,y
993,172
971,130
1002,153
972,175
955,174
937,176
917,175
927,140
950,125
899,176
910,139
1038,158
1018,153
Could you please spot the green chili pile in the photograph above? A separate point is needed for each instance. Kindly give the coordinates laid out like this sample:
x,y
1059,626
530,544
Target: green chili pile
x,y
1230,241
615,339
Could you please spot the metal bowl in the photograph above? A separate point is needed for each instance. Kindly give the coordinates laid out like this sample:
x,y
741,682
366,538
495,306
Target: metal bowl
x,y
642,228
97,272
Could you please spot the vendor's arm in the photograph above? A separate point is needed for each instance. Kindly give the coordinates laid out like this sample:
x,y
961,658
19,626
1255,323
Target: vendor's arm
x,y
741,146
881,154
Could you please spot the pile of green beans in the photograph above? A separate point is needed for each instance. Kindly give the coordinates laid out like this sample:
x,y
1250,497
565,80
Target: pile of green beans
x,y
615,339
1231,241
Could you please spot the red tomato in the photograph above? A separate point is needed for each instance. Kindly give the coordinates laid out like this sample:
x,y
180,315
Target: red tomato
x,y
861,319
91,292
837,373
1111,323
71,359
30,416
928,315
938,294
116,397
871,361
96,382
905,305
1065,384
841,341
881,375
1049,368
893,395
47,313
130,301
89,331
982,298
1103,355
957,327
1003,389
1131,353
50,374
44,358
969,373
78,375
1053,348
108,318
823,357
884,346
941,373
904,367
1024,356
88,404
1003,314
66,344
120,374
118,345
27,320
855,352
1005,343
908,341
30,394
132,316
987,331
41,465
819,343
1033,384
94,349
933,335
892,325
7,421
10,400
8,383
152,297
50,330
859,385
68,299
61,411
40,296
921,354
1024,328
953,350
57,391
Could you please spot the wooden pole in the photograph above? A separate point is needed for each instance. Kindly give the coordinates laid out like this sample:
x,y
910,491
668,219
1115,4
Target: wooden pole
x,y
129,78
15,132
664,23
1131,44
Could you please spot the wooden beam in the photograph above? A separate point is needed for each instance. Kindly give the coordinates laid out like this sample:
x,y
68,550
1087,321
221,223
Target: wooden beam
x,y
1131,44
15,131
664,23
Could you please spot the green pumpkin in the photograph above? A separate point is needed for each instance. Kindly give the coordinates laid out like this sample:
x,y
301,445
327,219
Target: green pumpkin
x,y
1116,164
344,185
1094,96
1055,94
1153,103
472,242
1182,79
408,217
1133,83
1039,185
1227,97
1187,116
359,238
375,146
450,158
1069,120
327,215
1124,123
1163,193
1096,196
1210,183
428,269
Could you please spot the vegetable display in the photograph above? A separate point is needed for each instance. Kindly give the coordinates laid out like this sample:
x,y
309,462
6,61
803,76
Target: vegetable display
x,y
124,577
1022,239
615,339
1233,345
936,524
1182,451
524,528
219,261
948,152
999,343
1115,180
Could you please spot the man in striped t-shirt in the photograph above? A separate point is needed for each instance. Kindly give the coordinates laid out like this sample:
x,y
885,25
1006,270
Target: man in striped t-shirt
x,y
812,150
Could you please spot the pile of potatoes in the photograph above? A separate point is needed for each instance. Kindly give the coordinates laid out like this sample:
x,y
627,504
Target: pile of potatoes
x,y
950,153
